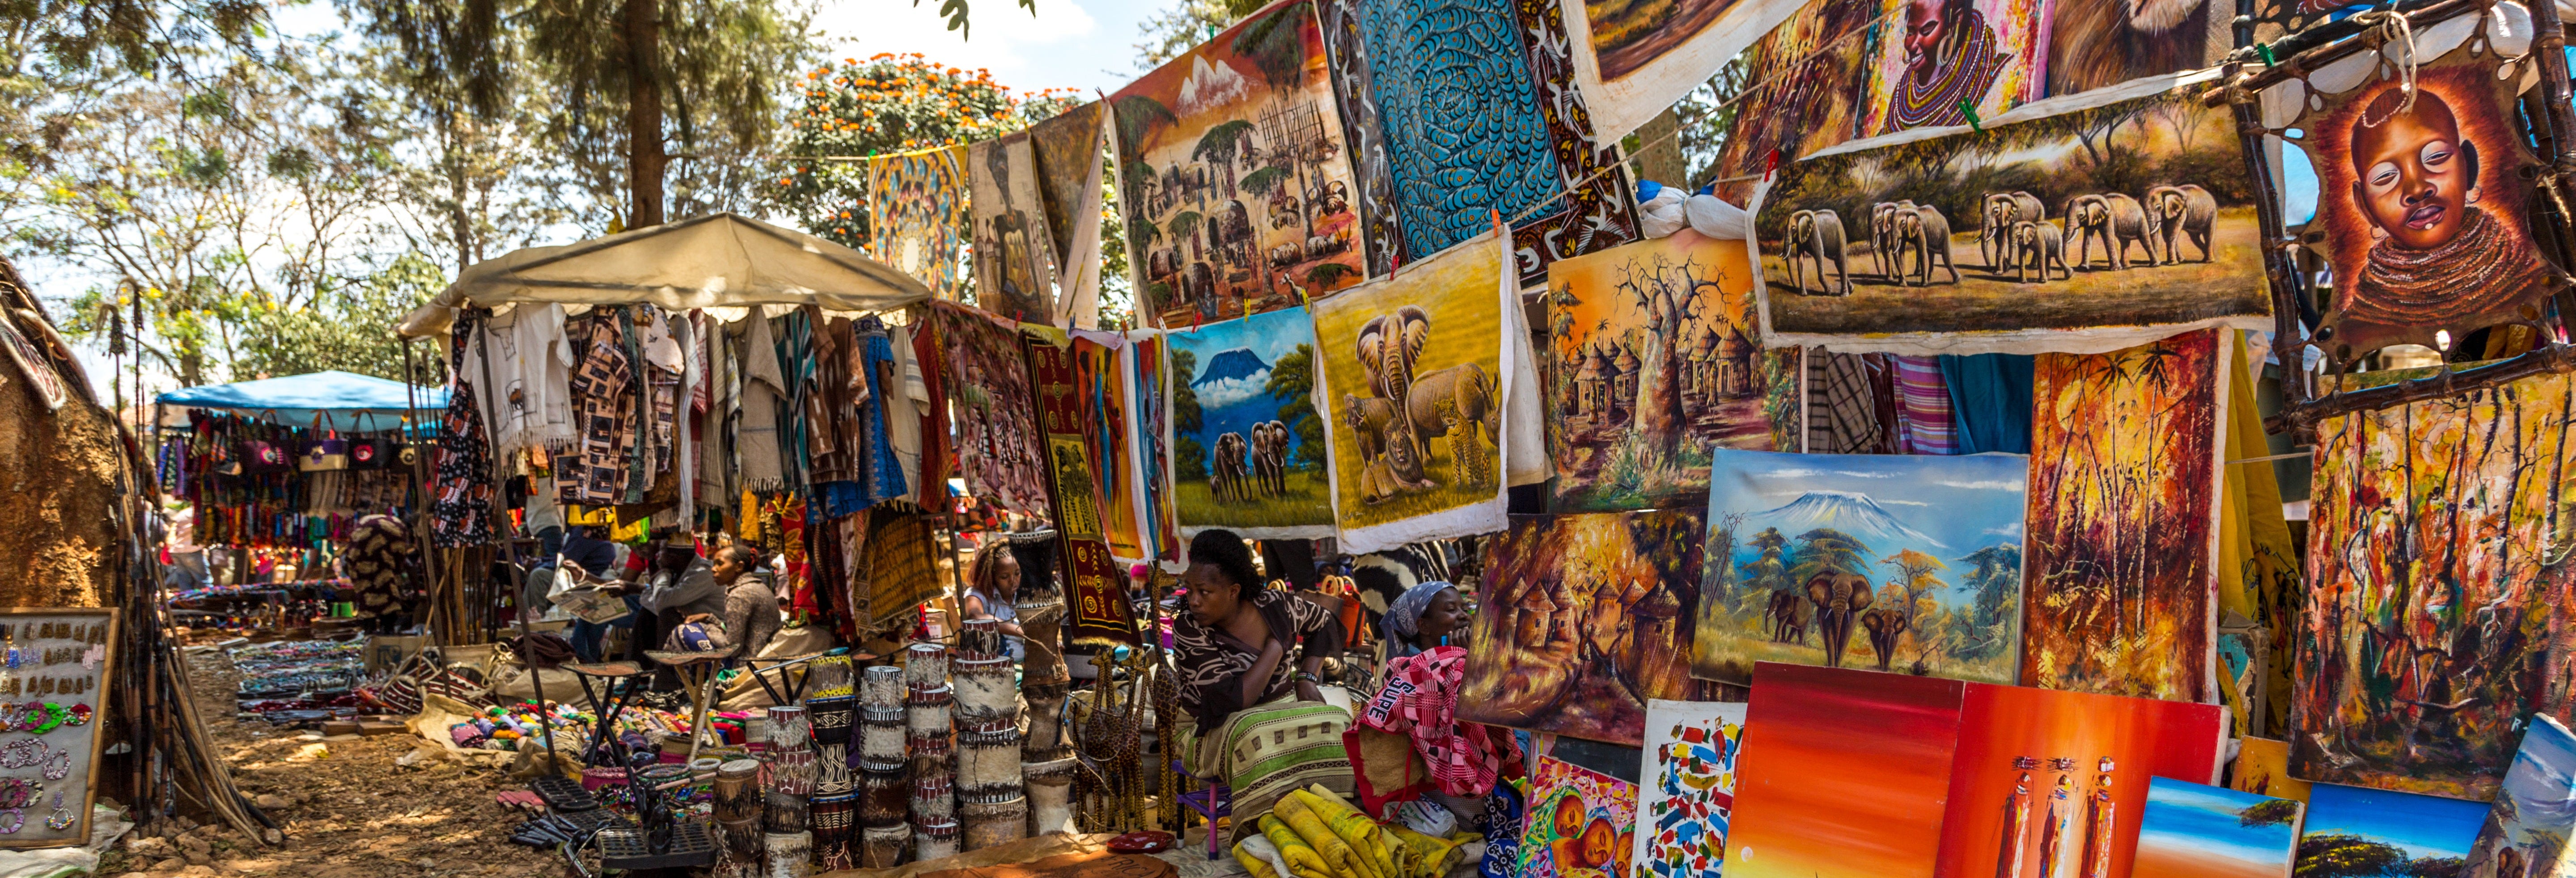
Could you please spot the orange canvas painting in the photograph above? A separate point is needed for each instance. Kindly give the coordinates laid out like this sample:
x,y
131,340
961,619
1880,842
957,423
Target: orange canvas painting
x,y
2053,783
1844,774
1585,618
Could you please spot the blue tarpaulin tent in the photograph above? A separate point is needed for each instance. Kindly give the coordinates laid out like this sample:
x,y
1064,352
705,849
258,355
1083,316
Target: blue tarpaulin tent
x,y
348,401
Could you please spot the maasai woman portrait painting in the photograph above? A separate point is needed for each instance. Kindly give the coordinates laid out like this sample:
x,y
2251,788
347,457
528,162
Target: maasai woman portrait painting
x,y
1932,56
2421,197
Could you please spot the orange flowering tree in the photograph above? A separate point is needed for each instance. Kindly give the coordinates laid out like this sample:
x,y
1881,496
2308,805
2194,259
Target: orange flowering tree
x,y
883,104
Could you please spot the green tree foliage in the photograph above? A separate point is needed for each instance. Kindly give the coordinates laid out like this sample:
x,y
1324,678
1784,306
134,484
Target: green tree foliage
x,y
2344,855
888,103
2276,812
350,332
1996,579
2436,867
1186,416
1292,382
1825,549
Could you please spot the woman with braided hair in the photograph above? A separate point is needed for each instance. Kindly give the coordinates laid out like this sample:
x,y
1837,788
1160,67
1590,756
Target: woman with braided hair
x,y
992,583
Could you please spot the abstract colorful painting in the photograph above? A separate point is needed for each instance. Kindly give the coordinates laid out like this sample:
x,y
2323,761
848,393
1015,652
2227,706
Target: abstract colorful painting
x,y
1234,175
2423,185
1381,241
1584,618
1938,64
1064,414
2094,45
2121,553
1578,823
2358,831
2026,234
1099,365
2263,768
918,220
1687,787
1415,380
1460,113
1146,354
2437,536
1248,451
996,416
1634,58
1014,272
2527,830
1805,81
1845,774
1655,361
2053,783
1906,563
2195,831
1599,211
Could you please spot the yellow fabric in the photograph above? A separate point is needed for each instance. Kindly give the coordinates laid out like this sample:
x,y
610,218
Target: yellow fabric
x,y
590,516
1301,857
1254,852
1422,856
1336,852
1366,839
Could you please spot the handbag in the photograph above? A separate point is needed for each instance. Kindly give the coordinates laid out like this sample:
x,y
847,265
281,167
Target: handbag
x,y
369,452
265,454
325,452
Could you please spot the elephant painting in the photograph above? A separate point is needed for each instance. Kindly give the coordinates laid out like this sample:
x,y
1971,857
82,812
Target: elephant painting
x,y
2113,218
1458,403
2185,208
2002,213
2040,247
1882,235
1817,235
1884,626
1925,233
1838,597
1270,457
1227,475
1788,617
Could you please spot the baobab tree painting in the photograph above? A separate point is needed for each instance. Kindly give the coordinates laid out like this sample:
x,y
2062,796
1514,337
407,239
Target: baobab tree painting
x,y
2436,552
1655,361
2123,514
1234,174
1585,618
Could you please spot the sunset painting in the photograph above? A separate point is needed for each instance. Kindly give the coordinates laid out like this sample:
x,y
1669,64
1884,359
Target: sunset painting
x,y
2195,831
1845,774
2045,780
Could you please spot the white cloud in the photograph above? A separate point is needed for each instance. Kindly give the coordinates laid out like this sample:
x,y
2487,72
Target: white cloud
x,y
2011,531
1026,52
1985,485
1228,391
1886,502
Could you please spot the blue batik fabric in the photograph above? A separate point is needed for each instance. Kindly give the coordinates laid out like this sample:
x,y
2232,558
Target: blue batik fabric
x,y
1462,123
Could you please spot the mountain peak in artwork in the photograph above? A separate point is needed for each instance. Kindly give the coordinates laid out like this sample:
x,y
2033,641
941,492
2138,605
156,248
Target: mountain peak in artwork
x,y
1237,363
1211,85
1852,513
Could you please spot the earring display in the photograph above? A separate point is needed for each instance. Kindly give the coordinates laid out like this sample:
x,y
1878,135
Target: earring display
x,y
51,667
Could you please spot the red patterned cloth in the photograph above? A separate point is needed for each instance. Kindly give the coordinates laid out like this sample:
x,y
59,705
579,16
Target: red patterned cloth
x,y
1420,700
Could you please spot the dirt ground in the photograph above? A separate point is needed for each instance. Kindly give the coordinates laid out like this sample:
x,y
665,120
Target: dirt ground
x,y
348,809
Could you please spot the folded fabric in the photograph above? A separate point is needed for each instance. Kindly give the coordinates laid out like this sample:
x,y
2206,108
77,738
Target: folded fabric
x,y
1264,751
1424,856
1261,858
1420,700
1335,850
1363,834
1302,858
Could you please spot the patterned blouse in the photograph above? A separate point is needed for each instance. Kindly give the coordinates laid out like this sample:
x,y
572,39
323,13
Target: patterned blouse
x,y
1215,661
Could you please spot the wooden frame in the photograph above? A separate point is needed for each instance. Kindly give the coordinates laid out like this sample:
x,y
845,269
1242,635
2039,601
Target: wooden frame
x,y
87,772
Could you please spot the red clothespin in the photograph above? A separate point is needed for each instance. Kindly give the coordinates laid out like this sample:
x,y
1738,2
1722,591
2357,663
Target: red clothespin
x,y
1770,164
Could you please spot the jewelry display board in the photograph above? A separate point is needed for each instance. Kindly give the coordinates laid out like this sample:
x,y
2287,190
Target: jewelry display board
x,y
53,664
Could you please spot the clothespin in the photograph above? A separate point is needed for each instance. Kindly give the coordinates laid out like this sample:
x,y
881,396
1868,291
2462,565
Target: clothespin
x,y
1970,110
2265,50
1770,164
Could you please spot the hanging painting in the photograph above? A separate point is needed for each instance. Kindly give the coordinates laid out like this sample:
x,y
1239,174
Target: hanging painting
x,y
1459,116
2423,175
2029,233
2120,556
1066,148
1634,59
918,219
1149,405
2436,540
1099,364
1415,380
1014,273
1235,178
2359,831
2095,45
1845,774
1585,617
1804,82
1899,562
2527,830
1578,823
1598,210
1654,365
1687,787
1935,65
1372,167
2053,783
2195,831
1248,450
996,410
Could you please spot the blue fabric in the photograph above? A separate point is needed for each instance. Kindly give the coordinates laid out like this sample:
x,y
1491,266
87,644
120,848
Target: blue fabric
x,y
1460,113
884,471
1990,401
1502,832
356,403
837,499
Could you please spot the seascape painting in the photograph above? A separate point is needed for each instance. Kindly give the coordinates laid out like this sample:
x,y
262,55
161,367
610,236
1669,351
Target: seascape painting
x,y
1585,618
1248,449
1655,360
2079,231
1687,787
1014,270
1908,563
2195,831
2121,556
2527,830
2437,543
1845,774
1234,177
1577,824
2365,832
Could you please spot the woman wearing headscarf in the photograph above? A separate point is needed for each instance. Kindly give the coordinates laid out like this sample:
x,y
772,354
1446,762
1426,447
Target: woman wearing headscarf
x,y
1426,635
1251,656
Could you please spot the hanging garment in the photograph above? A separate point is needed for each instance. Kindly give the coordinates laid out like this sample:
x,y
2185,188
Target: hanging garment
x,y
1842,405
931,401
1990,401
763,387
461,506
594,473
1923,398
529,361
903,394
831,441
885,472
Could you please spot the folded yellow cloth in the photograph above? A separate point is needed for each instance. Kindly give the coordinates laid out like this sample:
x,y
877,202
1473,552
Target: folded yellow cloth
x,y
1301,857
1336,851
1261,858
1423,856
1362,833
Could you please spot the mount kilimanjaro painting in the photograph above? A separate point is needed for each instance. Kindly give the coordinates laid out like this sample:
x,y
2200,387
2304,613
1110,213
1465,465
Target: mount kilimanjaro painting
x,y
1910,564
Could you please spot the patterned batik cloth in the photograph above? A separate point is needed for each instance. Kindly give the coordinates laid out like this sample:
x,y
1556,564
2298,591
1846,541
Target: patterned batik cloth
x,y
1598,213
885,475
460,507
829,412
1923,397
594,474
1458,104
1420,701
374,562
1502,832
1215,661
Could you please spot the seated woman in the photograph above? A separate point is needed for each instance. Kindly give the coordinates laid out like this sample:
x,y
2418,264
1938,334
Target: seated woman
x,y
1250,658
1426,639
992,583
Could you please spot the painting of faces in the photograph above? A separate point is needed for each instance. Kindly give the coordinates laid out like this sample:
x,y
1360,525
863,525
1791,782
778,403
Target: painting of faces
x,y
1937,61
2420,193
1014,276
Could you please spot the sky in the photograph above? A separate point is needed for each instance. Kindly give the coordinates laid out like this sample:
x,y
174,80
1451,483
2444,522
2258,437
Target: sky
x,y
2191,816
1963,502
1084,44
1233,405
2425,826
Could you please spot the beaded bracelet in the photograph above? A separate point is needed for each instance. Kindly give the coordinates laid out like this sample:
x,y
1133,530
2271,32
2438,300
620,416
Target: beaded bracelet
x,y
62,818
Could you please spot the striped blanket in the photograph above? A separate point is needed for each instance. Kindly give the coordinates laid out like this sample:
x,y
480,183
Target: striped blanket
x,y
1266,750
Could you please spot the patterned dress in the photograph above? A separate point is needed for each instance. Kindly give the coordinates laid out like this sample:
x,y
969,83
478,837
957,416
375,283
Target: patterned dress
x,y
1215,661
377,563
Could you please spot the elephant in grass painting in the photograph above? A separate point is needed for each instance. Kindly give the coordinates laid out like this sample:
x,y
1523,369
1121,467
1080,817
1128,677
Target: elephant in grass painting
x,y
1817,236
1925,233
1839,597
2038,247
2188,209
2113,218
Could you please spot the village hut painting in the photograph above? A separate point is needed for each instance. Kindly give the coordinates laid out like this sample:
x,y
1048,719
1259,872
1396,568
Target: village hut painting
x,y
1656,362
2436,558
1895,562
1585,618
2125,221
1247,448
1234,176
2121,554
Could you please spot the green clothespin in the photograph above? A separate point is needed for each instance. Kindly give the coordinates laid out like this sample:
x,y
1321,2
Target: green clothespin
x,y
1970,110
2265,50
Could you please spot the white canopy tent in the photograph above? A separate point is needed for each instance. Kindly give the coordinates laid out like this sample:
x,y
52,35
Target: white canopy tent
x,y
720,260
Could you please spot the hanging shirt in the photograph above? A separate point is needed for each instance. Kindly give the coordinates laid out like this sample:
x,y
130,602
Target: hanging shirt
x,y
529,399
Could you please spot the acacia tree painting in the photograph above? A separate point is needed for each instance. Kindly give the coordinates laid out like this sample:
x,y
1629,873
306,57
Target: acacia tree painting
x,y
2436,557
2123,504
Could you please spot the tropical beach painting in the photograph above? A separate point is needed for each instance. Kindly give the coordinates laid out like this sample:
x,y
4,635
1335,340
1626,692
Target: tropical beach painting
x,y
1247,447
1895,562
2195,831
2526,832
2358,831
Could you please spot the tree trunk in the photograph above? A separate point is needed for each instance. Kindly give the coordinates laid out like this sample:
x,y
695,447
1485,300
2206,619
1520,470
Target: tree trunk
x,y
644,159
